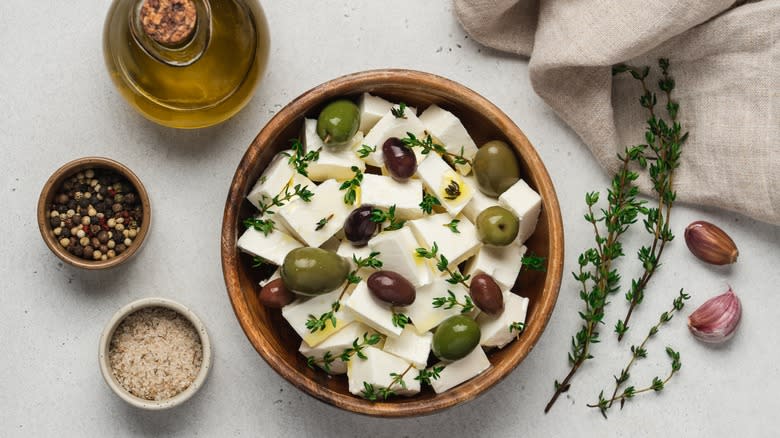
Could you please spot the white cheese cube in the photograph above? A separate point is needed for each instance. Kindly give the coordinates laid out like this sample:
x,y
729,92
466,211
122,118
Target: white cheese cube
x,y
347,250
456,247
272,248
411,345
461,370
450,133
503,263
495,329
371,311
376,370
426,317
372,108
479,202
299,311
392,126
439,179
333,163
274,276
526,204
302,217
276,176
335,345
398,252
384,192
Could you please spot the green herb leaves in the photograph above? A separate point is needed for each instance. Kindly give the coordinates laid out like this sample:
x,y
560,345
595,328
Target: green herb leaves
x,y
427,145
356,349
428,202
399,112
366,150
322,222
453,226
534,263
379,216
314,324
267,225
351,186
400,320
451,301
442,264
299,158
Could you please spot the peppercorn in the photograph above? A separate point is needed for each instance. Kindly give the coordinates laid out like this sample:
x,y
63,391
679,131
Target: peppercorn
x,y
55,221
120,248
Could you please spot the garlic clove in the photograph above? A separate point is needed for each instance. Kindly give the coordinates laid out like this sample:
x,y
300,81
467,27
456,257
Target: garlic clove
x,y
710,243
717,319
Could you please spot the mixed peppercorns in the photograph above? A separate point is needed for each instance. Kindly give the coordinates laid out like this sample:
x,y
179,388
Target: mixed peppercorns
x,y
96,214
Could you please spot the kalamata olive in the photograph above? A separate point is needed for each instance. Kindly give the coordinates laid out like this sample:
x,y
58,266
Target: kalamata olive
x,y
275,294
392,288
456,337
399,159
313,271
486,294
338,122
358,228
495,168
497,226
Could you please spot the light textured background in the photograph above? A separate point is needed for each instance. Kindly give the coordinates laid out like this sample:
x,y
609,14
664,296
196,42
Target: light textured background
x,y
59,104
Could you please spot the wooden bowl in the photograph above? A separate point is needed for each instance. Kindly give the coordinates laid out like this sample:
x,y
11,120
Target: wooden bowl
x,y
270,334
50,190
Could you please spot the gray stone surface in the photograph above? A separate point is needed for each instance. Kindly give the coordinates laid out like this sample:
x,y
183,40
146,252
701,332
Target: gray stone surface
x,y
59,104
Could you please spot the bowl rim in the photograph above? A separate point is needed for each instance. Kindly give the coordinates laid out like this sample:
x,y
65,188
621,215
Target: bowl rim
x,y
342,86
108,333
52,185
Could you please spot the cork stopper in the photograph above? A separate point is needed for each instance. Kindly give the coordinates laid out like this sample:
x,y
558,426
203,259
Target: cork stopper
x,y
169,22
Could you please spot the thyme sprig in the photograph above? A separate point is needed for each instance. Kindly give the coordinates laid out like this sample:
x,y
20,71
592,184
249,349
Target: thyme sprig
x,y
428,202
534,263
258,262
453,226
366,150
517,326
640,352
299,158
665,140
442,264
362,262
427,145
451,301
322,222
399,112
351,186
267,225
372,393
315,324
400,320
380,216
356,349
426,376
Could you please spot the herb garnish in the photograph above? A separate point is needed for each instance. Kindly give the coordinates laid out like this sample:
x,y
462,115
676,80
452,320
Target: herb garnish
x,y
427,375
365,151
399,112
267,225
400,320
351,186
322,222
451,301
428,202
453,226
299,158
517,326
370,392
427,145
315,324
356,349
452,190
442,264
380,216
534,263
258,261
368,262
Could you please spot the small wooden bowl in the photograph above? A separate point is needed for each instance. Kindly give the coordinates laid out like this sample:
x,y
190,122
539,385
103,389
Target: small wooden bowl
x,y
270,334
50,190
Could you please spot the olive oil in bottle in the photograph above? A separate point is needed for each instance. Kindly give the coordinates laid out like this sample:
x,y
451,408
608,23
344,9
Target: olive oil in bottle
x,y
186,63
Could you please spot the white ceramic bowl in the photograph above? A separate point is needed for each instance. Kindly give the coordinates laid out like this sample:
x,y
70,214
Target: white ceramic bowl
x,y
105,366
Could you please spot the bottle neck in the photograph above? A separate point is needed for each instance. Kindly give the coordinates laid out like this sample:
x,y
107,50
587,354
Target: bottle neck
x,y
174,32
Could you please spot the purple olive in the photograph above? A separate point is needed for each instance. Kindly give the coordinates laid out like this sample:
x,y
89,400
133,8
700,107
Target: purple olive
x,y
358,228
399,159
391,287
275,294
486,294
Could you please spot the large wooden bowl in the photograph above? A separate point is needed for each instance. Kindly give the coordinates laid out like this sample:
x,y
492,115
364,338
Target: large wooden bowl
x,y
270,334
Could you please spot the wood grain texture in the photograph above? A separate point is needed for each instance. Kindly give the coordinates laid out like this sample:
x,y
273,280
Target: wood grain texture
x,y
50,190
270,334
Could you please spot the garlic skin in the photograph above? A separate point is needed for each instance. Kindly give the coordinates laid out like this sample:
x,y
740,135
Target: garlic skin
x,y
710,243
717,319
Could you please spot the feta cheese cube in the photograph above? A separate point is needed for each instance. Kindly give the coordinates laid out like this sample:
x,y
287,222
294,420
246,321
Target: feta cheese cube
x,y
371,311
392,126
301,217
398,252
277,176
298,312
450,133
439,179
456,247
426,317
503,263
526,204
333,163
347,250
461,370
479,202
274,276
273,247
335,345
384,192
495,329
376,370
411,346
372,108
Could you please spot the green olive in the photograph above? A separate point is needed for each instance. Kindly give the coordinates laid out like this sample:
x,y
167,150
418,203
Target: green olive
x,y
455,338
313,271
497,226
495,168
338,122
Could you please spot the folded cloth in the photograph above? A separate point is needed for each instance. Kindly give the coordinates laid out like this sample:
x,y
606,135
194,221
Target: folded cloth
x,y
725,59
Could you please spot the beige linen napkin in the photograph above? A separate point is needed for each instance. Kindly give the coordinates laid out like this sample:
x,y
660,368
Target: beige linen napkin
x,y
723,57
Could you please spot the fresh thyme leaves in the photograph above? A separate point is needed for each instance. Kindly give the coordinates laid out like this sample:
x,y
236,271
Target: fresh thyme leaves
x,y
442,264
351,186
453,226
356,349
451,301
266,226
400,320
366,150
428,202
372,393
426,376
517,326
360,262
452,190
534,263
399,112
640,352
665,140
322,222
325,362
314,324
299,158
258,262
427,145
379,216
